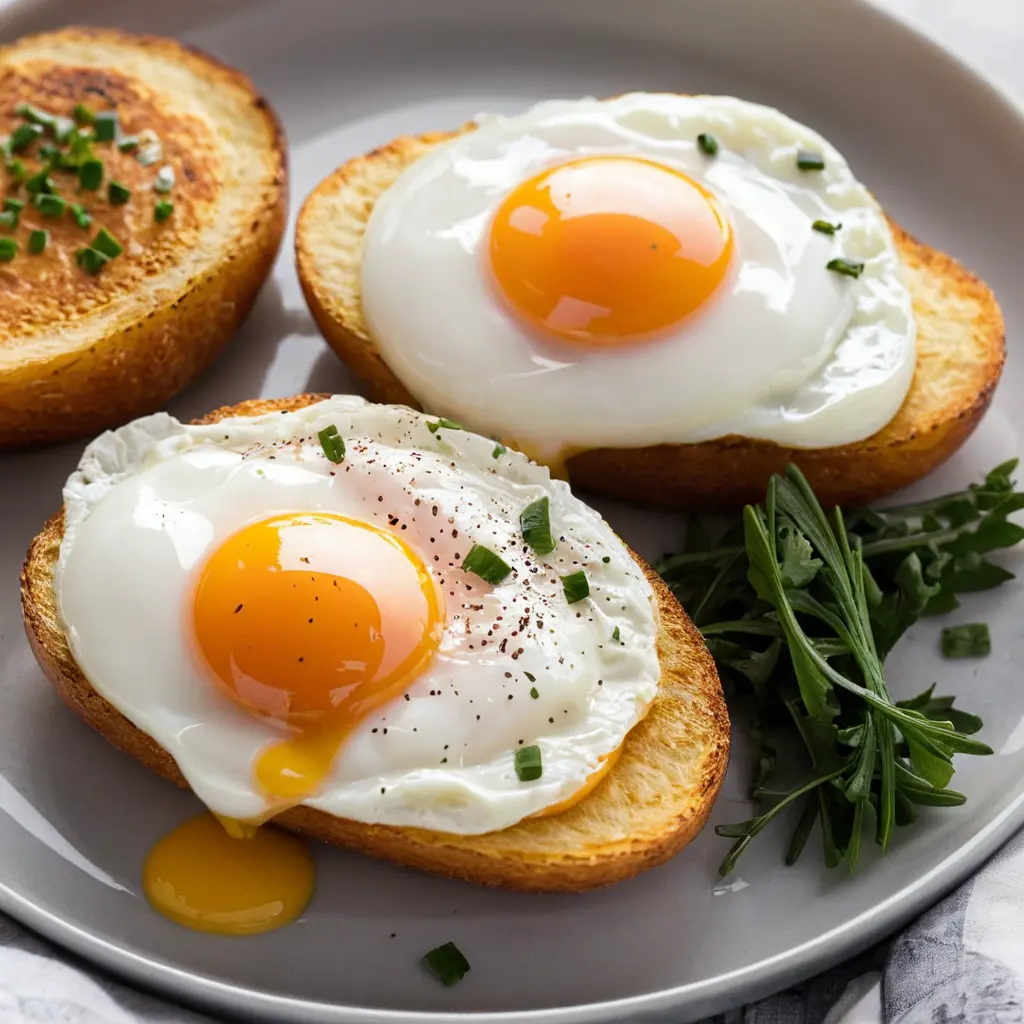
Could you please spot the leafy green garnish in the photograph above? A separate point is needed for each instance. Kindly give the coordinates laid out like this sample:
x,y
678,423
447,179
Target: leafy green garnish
x,y
804,607
967,641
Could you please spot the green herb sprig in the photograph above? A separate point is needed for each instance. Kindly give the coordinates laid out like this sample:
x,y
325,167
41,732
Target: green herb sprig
x,y
804,607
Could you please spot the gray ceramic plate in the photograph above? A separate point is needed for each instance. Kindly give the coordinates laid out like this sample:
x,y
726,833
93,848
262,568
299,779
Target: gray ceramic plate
x,y
346,76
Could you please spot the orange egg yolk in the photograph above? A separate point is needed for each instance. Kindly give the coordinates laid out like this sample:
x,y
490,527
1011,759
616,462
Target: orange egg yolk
x,y
202,878
607,250
316,621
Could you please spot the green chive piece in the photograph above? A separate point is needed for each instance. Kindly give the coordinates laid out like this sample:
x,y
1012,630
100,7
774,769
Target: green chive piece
x,y
486,564
79,151
82,114
970,640
825,227
528,764
38,241
607,559
163,210
128,144
499,450
49,152
708,143
8,220
118,194
23,136
16,171
164,180
535,522
92,261
82,216
440,422
447,964
332,444
534,692
530,676
107,244
90,174
616,634
8,249
106,126
575,586
41,183
50,206
13,205
807,160
33,114
849,268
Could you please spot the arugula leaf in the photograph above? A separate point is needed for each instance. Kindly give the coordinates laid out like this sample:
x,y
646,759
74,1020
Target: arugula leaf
x,y
804,607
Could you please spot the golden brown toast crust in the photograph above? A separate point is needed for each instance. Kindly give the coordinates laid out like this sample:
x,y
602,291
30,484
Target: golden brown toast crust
x,y
655,800
78,351
961,350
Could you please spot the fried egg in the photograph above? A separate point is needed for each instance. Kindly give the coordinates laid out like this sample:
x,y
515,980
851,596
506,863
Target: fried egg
x,y
643,270
294,629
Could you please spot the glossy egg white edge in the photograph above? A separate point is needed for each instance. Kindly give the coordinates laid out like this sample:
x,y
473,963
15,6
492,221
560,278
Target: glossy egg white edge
x,y
787,351
150,500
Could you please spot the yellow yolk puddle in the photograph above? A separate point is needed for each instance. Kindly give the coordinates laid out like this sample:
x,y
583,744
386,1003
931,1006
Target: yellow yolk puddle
x,y
593,779
607,250
317,621
201,877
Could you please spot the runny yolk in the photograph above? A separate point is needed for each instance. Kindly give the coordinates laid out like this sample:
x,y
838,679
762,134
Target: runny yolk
x,y
199,876
314,621
608,250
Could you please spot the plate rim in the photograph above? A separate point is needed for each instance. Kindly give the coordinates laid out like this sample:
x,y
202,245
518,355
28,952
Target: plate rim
x,y
694,999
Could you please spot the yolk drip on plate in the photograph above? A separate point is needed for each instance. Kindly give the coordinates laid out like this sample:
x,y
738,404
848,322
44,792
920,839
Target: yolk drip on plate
x,y
607,250
315,621
200,876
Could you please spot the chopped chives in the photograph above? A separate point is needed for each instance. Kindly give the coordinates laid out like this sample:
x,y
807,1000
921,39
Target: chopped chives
x,y
16,171
128,144
37,241
826,227
530,676
534,692
499,450
486,564
535,522
81,216
528,763
118,194
435,425
80,150
332,444
849,268
82,114
105,126
616,634
41,182
33,114
163,210
49,205
575,586
90,174
8,249
14,205
970,640
23,136
708,143
107,244
8,220
92,261
164,181
808,160
447,963
607,559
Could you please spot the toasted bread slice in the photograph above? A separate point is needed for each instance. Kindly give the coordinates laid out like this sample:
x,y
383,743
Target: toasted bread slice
x,y
960,358
649,806
81,351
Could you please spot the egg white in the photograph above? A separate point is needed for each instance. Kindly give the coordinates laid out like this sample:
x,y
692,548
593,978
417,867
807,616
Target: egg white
x,y
787,351
149,502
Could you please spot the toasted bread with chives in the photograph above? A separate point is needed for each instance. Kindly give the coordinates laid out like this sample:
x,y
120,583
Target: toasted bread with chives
x,y
654,800
89,345
961,352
